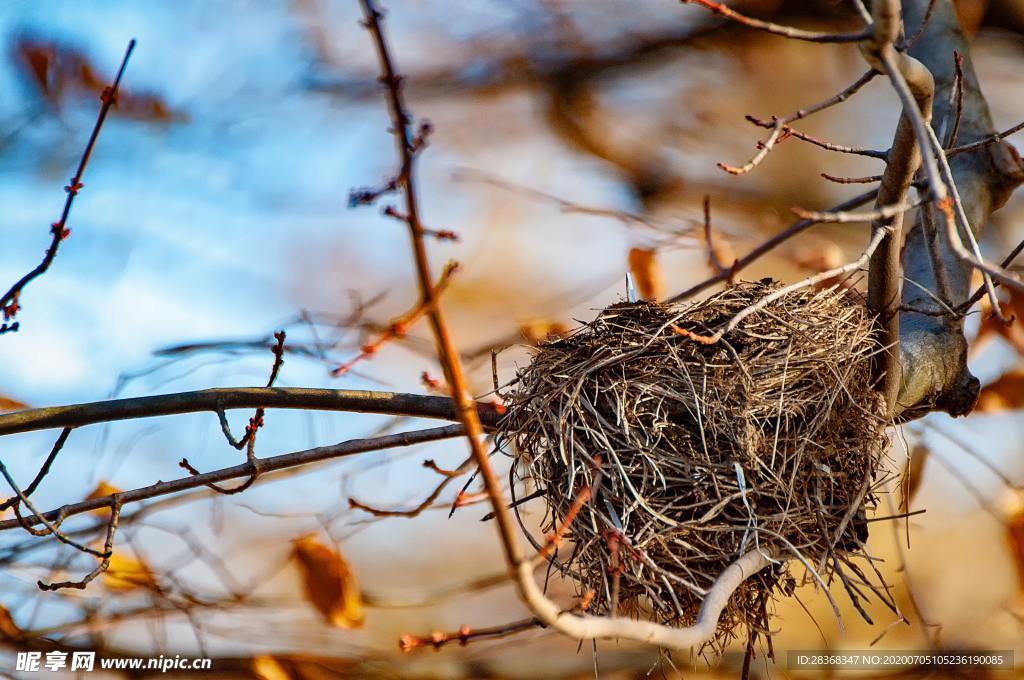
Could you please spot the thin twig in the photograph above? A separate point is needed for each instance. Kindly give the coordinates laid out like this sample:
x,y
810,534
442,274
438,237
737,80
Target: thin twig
x,y
828,146
778,29
58,230
985,141
869,179
546,611
52,525
43,471
755,254
843,217
465,635
108,551
958,97
465,408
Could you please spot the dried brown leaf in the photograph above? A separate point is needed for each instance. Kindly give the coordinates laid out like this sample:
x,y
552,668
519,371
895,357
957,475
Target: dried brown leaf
x,y
329,582
1005,394
102,490
1015,536
537,331
124,574
8,404
992,327
643,265
8,629
971,13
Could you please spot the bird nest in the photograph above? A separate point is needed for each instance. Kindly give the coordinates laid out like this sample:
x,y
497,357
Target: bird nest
x,y
690,453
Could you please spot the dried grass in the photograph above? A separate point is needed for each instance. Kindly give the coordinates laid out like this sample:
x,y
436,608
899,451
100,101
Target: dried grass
x,y
768,439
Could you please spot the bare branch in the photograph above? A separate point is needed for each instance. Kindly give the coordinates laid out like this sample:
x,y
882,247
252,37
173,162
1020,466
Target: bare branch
x,y
9,303
43,470
108,551
778,29
788,131
623,628
884,212
283,461
465,635
916,88
223,398
765,247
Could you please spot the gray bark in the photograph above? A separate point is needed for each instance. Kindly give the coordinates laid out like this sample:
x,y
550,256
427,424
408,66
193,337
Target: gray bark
x,y
933,351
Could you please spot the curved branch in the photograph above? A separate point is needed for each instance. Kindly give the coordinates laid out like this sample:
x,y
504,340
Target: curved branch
x,y
600,627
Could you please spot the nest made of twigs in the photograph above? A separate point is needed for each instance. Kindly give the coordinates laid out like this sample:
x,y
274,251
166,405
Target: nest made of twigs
x,y
768,439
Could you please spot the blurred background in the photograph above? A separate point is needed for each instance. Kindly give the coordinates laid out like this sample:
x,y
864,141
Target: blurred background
x,y
571,137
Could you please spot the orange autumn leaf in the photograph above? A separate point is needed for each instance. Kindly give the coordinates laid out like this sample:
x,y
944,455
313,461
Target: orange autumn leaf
x,y
329,582
1005,394
991,327
1015,537
60,71
820,255
124,574
102,490
643,265
970,13
8,404
913,473
8,629
537,331
268,668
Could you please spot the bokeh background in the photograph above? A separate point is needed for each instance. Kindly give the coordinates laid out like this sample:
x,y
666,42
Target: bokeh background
x,y
566,134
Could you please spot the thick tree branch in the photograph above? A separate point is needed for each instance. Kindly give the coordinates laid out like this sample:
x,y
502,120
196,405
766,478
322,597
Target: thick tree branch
x,y
221,399
904,159
932,346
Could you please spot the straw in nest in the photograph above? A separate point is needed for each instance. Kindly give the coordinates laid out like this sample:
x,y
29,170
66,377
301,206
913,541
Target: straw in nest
x,y
698,452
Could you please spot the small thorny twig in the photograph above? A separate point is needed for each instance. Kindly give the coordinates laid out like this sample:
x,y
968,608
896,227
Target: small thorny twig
x,y
404,141
867,179
447,477
546,611
108,550
464,635
788,132
10,302
248,440
399,327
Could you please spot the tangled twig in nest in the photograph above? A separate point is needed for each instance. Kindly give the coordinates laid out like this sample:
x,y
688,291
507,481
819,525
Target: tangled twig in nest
x,y
695,453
